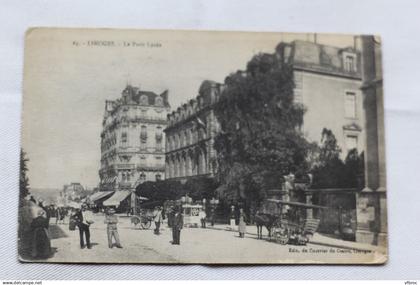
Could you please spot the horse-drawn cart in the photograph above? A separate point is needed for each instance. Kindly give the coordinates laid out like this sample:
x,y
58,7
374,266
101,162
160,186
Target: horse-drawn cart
x,y
291,223
144,219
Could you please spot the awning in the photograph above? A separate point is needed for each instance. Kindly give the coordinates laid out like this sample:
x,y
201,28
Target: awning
x,y
117,198
99,195
110,180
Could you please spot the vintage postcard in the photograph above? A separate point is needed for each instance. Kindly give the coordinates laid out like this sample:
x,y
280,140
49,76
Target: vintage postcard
x,y
143,146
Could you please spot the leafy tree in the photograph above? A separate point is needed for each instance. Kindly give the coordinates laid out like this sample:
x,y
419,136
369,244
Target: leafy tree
x,y
197,188
355,169
24,180
260,125
329,171
160,190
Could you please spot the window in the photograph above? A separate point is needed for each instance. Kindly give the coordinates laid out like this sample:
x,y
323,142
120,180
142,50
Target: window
x,y
350,105
159,137
349,63
159,101
187,137
144,100
158,177
142,177
351,142
180,140
124,139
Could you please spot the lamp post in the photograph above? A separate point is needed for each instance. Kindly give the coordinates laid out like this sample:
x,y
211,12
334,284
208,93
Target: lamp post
x,y
213,203
204,204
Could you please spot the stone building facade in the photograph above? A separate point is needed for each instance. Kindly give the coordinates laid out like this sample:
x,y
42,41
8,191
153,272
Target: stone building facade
x,y
327,83
133,139
190,135
372,201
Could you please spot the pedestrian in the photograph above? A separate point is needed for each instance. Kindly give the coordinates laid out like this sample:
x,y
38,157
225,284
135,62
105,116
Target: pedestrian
x,y
111,220
212,217
57,214
41,246
84,220
178,223
232,218
157,216
242,224
46,210
202,216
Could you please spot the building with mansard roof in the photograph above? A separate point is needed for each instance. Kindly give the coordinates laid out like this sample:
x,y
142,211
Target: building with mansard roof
x,y
190,135
327,82
132,139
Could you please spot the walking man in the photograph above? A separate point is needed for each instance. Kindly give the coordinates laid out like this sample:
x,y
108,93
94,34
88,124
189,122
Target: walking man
x,y
202,215
84,220
111,220
177,225
158,219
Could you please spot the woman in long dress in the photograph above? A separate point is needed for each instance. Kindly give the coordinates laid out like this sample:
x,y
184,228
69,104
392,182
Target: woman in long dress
x,y
242,224
41,247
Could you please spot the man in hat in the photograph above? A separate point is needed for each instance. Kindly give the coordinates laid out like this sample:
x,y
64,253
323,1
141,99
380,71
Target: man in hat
x,y
111,220
83,220
177,225
157,216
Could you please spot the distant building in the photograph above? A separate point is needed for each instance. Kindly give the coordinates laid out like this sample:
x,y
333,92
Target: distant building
x,y
132,139
327,83
71,192
190,135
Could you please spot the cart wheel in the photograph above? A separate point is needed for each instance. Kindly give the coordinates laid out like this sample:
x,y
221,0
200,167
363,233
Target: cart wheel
x,y
135,221
146,225
281,237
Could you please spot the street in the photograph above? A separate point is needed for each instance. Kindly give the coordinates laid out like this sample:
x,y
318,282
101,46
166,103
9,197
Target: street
x,y
198,245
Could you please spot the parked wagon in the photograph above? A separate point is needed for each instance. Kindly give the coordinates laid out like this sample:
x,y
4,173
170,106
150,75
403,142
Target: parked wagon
x,y
192,215
292,224
143,219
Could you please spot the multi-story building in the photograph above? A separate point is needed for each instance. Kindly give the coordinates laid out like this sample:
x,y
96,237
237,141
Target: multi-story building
x,y
327,83
190,135
73,192
132,139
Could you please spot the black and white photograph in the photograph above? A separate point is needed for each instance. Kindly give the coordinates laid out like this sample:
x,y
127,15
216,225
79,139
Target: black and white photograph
x,y
202,147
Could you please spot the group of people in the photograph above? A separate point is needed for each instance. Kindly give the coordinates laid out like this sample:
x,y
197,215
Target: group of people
x,y
34,233
36,220
83,219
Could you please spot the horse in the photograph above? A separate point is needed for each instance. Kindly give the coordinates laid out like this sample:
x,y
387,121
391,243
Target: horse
x,y
266,220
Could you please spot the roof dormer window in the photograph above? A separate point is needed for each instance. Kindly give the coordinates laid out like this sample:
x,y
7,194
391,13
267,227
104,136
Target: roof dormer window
x,y
159,101
144,100
349,62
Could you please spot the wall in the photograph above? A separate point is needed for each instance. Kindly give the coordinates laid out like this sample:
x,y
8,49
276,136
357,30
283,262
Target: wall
x,y
324,98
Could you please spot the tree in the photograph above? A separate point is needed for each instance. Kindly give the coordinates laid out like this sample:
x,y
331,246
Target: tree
x,y
260,125
24,180
329,171
196,187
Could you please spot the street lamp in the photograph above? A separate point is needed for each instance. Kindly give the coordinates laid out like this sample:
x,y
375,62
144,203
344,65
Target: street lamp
x,y
213,203
186,200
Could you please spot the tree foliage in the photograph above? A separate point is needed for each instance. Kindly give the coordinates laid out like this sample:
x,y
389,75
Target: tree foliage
x,y
196,187
24,180
332,172
260,124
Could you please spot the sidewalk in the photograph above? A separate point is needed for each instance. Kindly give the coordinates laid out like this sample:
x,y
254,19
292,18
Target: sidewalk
x,y
317,239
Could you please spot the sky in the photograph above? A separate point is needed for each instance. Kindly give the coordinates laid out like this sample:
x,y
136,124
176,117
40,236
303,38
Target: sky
x,y
68,77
